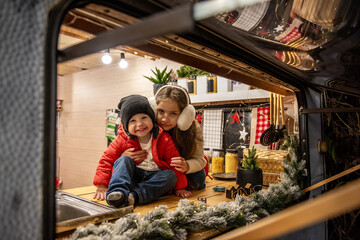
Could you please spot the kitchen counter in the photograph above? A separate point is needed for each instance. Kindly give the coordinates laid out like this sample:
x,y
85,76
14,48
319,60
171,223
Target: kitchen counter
x,y
212,198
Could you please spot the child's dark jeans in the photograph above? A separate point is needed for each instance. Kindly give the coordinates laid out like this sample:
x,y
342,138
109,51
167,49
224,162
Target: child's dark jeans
x,y
149,185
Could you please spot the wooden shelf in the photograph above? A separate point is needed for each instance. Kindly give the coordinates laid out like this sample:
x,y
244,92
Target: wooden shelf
x,y
228,98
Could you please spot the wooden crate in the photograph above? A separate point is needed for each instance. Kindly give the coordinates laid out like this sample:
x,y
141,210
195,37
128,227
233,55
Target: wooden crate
x,y
270,161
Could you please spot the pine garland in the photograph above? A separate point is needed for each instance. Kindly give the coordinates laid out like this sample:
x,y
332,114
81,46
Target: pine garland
x,y
190,217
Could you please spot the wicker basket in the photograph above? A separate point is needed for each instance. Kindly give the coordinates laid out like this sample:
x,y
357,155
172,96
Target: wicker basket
x,y
270,161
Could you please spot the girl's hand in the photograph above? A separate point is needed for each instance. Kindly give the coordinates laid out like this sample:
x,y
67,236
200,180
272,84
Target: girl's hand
x,y
183,193
180,164
137,156
100,193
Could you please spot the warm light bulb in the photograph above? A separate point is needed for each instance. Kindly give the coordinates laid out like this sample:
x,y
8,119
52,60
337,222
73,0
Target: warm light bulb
x,y
123,63
106,58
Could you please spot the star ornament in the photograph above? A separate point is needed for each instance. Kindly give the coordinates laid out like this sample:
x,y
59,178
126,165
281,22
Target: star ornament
x,y
279,28
235,117
243,134
198,118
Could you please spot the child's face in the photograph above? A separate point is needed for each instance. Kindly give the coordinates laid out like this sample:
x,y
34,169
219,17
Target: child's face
x,y
168,112
140,125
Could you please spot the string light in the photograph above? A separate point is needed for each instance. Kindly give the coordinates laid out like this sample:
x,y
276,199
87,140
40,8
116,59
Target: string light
x,y
106,58
123,63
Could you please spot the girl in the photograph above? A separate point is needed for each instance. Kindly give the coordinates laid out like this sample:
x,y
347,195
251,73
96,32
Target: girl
x,y
177,117
128,182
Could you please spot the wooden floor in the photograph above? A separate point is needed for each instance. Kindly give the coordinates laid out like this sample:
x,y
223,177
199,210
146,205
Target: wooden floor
x,y
212,197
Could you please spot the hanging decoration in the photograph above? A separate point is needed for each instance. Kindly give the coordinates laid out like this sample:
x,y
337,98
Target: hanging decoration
x,y
262,122
191,217
235,117
59,103
111,124
199,117
243,134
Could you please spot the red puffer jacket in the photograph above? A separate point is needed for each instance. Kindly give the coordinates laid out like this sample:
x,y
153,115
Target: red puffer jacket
x,y
163,149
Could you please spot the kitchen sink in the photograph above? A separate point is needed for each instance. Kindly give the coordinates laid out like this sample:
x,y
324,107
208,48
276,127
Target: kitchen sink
x,y
66,212
73,211
70,207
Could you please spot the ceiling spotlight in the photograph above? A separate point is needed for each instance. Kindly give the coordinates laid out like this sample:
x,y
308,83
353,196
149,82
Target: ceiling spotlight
x,y
123,63
106,58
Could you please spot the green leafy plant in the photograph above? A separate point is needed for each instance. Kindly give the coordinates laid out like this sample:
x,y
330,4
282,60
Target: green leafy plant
x,y
161,77
187,72
250,160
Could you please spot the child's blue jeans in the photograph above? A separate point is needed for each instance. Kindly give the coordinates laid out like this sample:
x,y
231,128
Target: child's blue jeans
x,y
149,185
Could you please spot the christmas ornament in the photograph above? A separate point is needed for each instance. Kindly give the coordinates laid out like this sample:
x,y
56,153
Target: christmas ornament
x,y
279,28
199,118
243,134
235,117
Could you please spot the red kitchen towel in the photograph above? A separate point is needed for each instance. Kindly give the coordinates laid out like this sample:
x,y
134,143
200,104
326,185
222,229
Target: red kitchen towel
x,y
262,123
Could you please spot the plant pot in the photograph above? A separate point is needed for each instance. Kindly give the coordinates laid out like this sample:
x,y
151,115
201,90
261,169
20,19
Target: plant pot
x,y
157,86
245,176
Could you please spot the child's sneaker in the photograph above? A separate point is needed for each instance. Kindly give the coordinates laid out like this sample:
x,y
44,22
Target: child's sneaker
x,y
115,199
131,199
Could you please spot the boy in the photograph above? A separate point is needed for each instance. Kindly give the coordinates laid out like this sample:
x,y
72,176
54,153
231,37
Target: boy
x,y
141,182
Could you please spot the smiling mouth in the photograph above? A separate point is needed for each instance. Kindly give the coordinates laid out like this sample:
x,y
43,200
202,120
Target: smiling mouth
x,y
141,129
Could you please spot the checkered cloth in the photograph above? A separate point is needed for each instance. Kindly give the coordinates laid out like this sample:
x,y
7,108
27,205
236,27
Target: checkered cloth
x,y
262,123
213,128
291,33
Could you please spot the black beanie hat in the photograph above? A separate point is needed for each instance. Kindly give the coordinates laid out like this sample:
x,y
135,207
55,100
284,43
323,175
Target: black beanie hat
x,y
132,105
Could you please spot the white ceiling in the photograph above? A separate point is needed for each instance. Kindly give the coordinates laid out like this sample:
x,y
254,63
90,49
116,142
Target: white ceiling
x,y
91,61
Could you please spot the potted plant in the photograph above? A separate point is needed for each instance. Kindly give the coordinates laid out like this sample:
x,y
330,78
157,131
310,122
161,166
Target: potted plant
x,y
190,73
161,78
250,171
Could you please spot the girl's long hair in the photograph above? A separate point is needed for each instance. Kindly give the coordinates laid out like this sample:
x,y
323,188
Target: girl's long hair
x,y
184,140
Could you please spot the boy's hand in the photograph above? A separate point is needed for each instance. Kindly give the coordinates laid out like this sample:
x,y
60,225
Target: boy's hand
x,y
180,164
183,193
100,193
137,156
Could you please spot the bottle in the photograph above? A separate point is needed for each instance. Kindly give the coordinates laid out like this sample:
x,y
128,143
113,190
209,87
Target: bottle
x,y
218,162
231,161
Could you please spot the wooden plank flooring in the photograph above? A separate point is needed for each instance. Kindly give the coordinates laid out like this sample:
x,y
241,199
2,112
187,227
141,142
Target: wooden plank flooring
x,y
213,198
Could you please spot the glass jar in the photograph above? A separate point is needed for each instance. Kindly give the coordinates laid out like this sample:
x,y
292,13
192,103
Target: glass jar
x,y
231,161
217,161
207,153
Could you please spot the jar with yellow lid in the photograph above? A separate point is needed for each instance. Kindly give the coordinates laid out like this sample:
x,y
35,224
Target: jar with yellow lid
x,y
217,161
231,161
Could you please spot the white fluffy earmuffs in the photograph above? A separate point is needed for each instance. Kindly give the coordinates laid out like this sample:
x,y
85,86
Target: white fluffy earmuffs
x,y
187,115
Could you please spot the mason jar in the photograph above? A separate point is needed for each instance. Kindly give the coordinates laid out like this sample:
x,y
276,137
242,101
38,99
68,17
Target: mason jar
x,y
231,161
218,162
